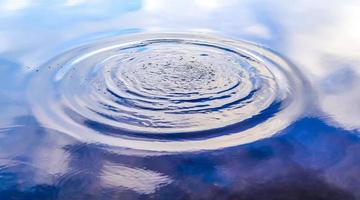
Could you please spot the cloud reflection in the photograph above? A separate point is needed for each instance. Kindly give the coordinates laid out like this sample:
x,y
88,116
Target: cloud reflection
x,y
140,180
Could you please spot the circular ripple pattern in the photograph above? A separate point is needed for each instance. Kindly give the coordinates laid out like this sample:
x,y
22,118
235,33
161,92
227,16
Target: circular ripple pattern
x,y
168,92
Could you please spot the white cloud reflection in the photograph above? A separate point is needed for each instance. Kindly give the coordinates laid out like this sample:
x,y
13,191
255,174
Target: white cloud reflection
x,y
74,2
11,5
323,49
139,180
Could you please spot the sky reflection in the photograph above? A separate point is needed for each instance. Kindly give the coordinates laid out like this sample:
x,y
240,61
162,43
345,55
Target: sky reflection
x,y
318,155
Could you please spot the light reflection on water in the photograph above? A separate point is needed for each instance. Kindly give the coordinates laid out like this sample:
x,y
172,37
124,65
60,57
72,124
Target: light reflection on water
x,y
319,153
168,92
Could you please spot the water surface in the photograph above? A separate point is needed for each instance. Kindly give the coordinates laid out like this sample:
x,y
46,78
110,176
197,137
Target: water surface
x,y
179,100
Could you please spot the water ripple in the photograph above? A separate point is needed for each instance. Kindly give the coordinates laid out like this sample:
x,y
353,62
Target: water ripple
x,y
168,92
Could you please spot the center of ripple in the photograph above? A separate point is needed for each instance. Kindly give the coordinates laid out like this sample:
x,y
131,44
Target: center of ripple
x,y
169,86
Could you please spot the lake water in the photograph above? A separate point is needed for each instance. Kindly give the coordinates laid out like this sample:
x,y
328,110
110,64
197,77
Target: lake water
x,y
179,99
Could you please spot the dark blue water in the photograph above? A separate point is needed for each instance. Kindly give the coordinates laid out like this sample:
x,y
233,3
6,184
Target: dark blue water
x,y
179,100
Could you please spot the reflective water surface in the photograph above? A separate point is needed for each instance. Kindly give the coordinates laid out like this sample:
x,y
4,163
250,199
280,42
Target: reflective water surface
x,y
179,100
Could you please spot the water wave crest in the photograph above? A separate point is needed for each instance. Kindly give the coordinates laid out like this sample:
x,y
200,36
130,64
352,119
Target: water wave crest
x,y
168,92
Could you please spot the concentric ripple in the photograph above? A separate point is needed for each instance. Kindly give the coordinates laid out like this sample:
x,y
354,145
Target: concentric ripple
x,y
168,92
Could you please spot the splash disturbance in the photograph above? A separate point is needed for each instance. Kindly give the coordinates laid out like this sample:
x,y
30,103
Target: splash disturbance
x,y
167,92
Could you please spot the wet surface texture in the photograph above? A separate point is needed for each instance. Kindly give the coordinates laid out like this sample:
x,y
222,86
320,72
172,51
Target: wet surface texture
x,y
179,100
